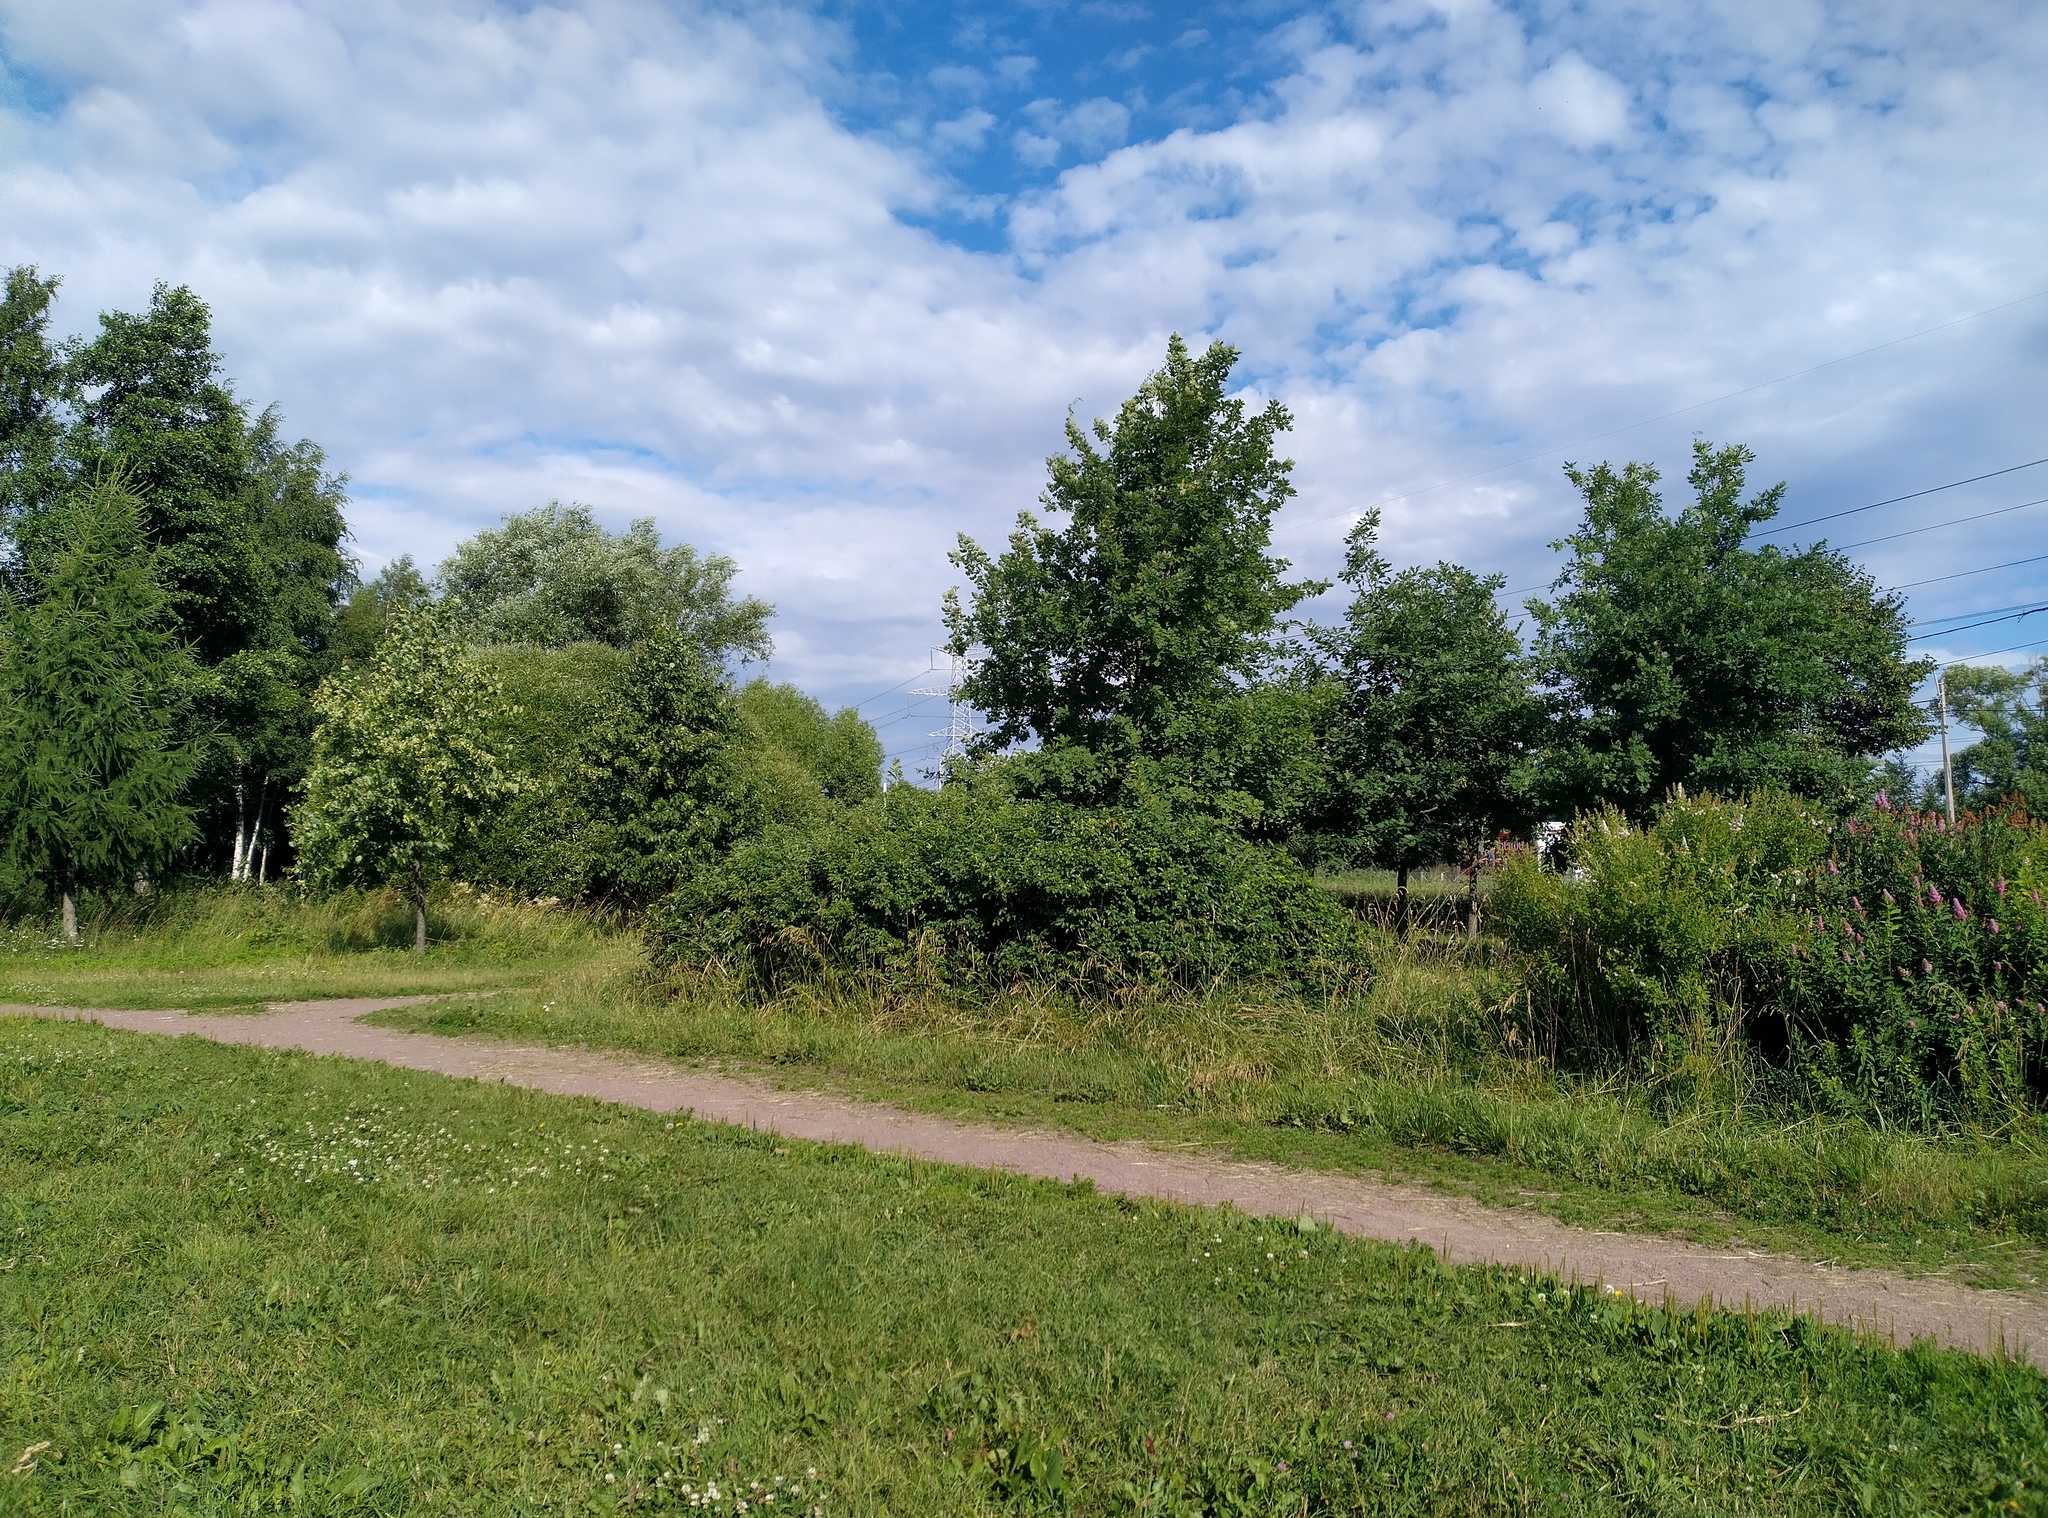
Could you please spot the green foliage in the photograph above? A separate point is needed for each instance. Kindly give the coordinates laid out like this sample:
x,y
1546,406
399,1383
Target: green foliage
x,y
840,754
1675,655
407,761
156,404
1920,992
90,679
1435,717
1663,937
1896,967
553,575
657,776
2011,711
1158,595
970,887
360,621
31,393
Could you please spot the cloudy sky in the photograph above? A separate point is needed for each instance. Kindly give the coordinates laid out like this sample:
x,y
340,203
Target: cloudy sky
x,y
815,285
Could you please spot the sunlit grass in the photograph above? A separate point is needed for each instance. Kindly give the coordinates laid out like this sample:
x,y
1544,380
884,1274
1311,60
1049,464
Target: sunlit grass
x,y
233,1280
1428,1076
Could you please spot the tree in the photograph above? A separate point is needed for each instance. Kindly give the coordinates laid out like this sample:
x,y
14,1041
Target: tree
x,y
1673,654
2011,711
840,754
405,764
360,622
1433,718
1158,597
152,401
553,576
658,772
91,673
31,397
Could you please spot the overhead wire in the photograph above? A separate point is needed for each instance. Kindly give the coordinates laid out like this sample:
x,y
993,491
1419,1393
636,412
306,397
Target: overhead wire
x,y
1949,632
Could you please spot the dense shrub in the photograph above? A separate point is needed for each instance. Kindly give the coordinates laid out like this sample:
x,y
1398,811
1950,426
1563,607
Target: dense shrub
x,y
968,886
1895,966
1920,984
1663,941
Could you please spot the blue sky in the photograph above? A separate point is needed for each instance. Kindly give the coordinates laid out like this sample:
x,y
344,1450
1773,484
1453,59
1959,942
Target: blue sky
x,y
816,284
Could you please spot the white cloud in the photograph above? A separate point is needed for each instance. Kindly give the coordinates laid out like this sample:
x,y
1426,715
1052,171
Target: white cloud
x,y
1580,104
621,251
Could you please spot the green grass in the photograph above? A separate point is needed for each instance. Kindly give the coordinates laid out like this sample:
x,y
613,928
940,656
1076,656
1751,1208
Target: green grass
x,y
233,1280
1421,1081
233,950
1426,1079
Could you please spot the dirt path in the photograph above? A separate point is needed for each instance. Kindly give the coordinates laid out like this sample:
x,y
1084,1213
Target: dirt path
x,y
1876,1301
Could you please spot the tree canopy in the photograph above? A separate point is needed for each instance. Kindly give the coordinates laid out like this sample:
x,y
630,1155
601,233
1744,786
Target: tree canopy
x,y
1672,653
406,763
91,677
2010,710
1158,596
554,575
1433,718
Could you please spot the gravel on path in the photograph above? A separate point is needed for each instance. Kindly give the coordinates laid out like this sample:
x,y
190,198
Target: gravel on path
x,y
1899,1308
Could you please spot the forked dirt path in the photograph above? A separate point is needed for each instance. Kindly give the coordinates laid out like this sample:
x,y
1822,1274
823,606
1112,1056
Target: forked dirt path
x,y
1894,1306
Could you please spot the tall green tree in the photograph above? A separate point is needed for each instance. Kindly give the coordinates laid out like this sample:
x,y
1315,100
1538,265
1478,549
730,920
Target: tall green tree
x,y
32,383
1434,718
91,675
1673,653
246,530
152,401
659,776
406,764
2010,710
1158,597
554,576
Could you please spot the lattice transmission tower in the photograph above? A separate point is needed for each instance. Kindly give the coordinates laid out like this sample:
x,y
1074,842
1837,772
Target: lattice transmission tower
x,y
954,737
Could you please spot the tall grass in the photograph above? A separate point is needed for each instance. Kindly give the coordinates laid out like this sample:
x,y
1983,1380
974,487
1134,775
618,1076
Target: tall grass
x,y
1431,1072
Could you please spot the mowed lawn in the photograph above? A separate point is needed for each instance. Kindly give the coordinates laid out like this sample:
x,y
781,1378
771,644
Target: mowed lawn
x,y
236,1281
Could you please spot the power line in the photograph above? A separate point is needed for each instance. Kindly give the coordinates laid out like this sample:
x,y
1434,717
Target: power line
x,y
2009,564
1964,574
1947,632
1931,490
2026,647
1982,611
1937,526
1681,411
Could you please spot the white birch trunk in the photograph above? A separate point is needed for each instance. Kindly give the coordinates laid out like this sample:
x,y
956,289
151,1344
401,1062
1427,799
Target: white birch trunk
x,y
235,853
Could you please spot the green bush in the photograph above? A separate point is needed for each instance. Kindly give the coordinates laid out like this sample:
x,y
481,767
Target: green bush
x,y
1889,965
968,886
1663,941
1919,989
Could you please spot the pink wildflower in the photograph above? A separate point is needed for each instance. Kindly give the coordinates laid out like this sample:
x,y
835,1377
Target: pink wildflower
x,y
1960,911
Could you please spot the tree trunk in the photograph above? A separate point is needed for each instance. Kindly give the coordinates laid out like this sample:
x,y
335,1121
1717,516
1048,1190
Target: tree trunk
x,y
1472,903
256,828
1401,901
263,864
70,893
235,851
419,913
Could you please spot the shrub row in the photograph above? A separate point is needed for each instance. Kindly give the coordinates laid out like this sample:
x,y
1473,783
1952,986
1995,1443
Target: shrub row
x,y
967,886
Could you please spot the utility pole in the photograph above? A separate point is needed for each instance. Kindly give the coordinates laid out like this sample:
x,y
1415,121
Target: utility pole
x,y
1948,773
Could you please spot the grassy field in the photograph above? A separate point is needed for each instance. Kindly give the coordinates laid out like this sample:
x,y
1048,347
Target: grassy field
x,y
228,950
1422,1080
239,1281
